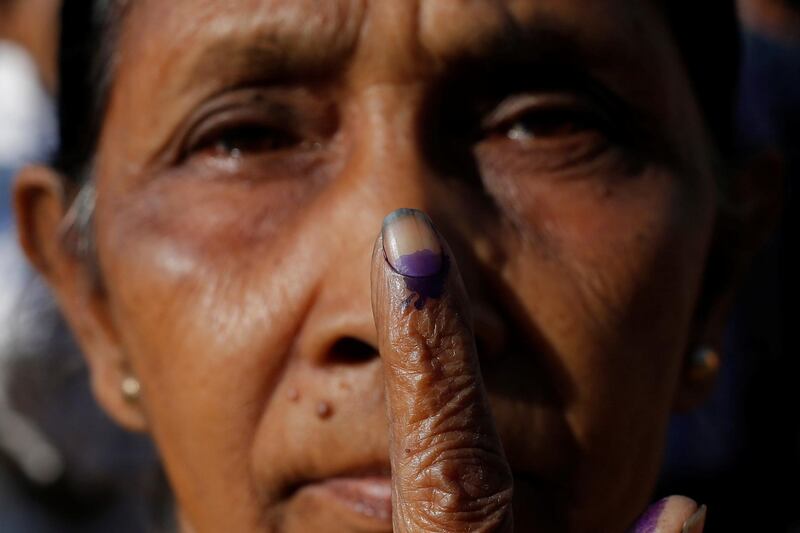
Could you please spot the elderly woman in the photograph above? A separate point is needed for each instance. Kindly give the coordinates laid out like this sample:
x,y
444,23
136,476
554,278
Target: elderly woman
x,y
506,362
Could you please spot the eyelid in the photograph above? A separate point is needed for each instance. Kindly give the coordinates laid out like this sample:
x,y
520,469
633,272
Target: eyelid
x,y
294,111
515,106
234,117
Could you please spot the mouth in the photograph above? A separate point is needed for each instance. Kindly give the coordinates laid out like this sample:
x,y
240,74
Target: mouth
x,y
370,497
363,498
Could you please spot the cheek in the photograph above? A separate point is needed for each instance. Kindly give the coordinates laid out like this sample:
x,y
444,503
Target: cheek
x,y
189,269
609,272
601,259
628,278
206,316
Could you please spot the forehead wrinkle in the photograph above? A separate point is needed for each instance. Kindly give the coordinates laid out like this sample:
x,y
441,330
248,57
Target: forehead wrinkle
x,y
271,38
288,38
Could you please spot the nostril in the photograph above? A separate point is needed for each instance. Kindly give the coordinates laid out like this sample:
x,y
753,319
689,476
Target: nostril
x,y
352,350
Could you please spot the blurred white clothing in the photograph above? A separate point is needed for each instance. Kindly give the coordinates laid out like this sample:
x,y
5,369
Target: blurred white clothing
x,y
28,124
28,133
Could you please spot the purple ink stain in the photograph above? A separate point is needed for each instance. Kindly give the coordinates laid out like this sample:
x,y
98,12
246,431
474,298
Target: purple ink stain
x,y
419,264
649,520
428,285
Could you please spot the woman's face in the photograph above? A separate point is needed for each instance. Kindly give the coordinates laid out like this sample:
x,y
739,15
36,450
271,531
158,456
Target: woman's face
x,y
251,149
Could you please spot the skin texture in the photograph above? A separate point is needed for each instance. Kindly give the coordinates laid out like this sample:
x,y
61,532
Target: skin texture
x,y
248,156
446,454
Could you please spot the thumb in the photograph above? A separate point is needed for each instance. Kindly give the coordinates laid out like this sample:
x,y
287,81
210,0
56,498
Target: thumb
x,y
449,472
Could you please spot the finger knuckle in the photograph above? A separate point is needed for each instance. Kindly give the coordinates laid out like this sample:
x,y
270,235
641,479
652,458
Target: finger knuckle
x,y
462,485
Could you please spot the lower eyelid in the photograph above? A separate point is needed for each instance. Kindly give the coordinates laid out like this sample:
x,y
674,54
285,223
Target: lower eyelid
x,y
535,156
260,168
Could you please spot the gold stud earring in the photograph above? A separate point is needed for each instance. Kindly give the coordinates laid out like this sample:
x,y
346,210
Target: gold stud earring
x,y
130,388
704,364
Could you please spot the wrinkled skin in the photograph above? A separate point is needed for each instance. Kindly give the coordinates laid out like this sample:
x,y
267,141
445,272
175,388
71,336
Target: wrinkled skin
x,y
447,459
251,149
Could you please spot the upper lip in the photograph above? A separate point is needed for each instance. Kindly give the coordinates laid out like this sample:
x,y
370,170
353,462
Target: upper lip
x,y
372,470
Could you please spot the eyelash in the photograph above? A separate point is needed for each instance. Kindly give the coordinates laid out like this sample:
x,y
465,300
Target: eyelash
x,y
539,124
234,139
531,118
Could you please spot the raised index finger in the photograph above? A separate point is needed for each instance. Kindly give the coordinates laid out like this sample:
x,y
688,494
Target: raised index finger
x,y
449,472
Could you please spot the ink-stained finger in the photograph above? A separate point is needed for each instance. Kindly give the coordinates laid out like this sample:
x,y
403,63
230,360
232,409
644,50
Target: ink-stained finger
x,y
675,514
449,472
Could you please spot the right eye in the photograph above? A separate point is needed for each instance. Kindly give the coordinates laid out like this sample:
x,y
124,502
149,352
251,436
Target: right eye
x,y
232,140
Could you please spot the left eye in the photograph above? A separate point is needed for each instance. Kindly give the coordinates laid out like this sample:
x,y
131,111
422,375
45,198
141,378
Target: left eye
x,y
543,117
548,124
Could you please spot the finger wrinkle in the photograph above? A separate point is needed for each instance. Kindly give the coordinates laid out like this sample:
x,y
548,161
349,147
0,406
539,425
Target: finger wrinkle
x,y
448,404
462,486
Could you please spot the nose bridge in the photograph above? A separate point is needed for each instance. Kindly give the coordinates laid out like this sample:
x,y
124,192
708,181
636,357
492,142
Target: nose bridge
x,y
385,171
387,162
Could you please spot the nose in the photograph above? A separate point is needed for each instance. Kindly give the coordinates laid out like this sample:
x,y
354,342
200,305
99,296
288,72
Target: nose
x,y
339,330
387,170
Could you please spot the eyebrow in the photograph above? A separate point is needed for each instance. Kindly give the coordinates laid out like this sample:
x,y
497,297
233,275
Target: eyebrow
x,y
283,53
265,60
278,51
545,42
549,54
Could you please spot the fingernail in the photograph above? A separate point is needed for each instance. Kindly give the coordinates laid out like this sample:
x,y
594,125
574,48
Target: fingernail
x,y
696,522
411,244
649,520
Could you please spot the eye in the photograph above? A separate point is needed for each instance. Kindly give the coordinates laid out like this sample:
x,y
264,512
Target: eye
x,y
238,140
541,124
534,118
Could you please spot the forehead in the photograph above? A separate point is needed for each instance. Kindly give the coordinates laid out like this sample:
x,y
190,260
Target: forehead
x,y
314,34
173,55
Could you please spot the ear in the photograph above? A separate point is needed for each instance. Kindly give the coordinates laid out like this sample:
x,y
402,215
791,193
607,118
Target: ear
x,y
748,216
40,203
